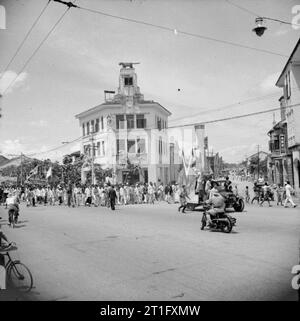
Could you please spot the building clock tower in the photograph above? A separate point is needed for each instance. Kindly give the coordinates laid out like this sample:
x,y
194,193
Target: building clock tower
x,y
128,92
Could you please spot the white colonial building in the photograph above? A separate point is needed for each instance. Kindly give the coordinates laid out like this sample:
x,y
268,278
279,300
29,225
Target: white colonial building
x,y
289,81
127,130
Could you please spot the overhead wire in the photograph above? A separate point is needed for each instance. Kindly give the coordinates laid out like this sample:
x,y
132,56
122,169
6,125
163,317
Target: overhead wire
x,y
239,103
24,39
196,35
55,148
147,24
171,127
36,50
260,16
235,117
243,8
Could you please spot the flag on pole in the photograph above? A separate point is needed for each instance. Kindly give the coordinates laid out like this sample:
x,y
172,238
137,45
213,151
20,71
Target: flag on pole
x,y
49,172
33,171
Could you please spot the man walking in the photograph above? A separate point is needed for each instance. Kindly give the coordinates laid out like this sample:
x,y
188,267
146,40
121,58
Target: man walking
x,y
266,194
112,195
69,194
183,196
288,198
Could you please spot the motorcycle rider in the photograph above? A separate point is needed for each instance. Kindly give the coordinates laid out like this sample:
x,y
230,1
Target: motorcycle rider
x,y
227,184
218,206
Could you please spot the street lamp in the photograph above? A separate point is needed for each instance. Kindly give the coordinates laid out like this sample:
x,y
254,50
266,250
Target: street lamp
x,y
259,29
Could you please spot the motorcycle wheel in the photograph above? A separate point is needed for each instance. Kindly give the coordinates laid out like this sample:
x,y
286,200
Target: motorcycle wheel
x,y
228,227
239,207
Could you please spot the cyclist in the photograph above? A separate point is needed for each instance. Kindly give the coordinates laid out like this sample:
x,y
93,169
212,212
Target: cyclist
x,y
7,244
13,208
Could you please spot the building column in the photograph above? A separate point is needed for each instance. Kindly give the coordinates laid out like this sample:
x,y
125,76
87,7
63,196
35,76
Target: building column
x,y
200,136
296,165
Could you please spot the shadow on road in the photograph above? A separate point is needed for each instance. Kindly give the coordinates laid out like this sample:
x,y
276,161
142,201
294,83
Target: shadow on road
x,y
20,225
12,294
25,221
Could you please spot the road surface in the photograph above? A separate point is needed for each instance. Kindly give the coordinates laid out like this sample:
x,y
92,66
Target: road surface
x,y
153,252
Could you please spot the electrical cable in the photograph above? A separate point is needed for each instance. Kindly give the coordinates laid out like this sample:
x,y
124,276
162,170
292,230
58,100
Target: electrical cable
x,y
240,103
259,16
178,126
36,50
181,32
243,8
23,41
55,148
235,117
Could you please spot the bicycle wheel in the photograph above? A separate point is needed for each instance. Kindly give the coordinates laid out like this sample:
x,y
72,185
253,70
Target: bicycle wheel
x,y
19,276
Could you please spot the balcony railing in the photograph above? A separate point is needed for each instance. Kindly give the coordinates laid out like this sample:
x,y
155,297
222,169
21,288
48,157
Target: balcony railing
x,y
134,158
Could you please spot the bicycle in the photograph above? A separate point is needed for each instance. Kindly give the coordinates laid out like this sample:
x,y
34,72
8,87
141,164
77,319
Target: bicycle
x,y
13,217
18,274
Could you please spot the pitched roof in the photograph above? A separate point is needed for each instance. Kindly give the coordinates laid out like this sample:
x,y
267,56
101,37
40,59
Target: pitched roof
x,y
287,63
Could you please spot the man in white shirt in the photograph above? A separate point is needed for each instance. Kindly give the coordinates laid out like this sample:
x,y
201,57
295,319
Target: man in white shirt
x,y
38,195
78,195
13,208
288,198
213,191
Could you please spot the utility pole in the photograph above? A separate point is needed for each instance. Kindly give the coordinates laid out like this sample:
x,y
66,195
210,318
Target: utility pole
x,y
93,149
257,161
21,164
21,169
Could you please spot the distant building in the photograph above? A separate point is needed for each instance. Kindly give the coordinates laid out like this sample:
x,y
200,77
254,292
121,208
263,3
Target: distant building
x,y
128,131
257,159
73,157
280,161
289,81
215,165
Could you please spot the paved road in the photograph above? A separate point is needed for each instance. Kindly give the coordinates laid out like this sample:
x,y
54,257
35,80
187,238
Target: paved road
x,y
151,252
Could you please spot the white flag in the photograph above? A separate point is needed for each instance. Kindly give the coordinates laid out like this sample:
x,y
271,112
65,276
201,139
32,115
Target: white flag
x,y
49,172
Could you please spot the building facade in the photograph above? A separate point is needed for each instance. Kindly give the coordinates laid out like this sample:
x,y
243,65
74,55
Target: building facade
x,y
256,165
126,132
280,167
289,81
215,165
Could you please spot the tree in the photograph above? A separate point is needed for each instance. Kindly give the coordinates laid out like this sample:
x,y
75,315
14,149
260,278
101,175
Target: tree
x,y
71,171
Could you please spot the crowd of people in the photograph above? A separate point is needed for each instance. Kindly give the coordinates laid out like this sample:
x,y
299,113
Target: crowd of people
x,y
263,192
108,195
74,195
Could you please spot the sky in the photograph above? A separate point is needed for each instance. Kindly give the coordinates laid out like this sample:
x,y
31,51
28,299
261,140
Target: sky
x,y
79,60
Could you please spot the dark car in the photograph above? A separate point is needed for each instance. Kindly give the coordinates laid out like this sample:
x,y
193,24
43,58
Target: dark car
x,y
231,200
